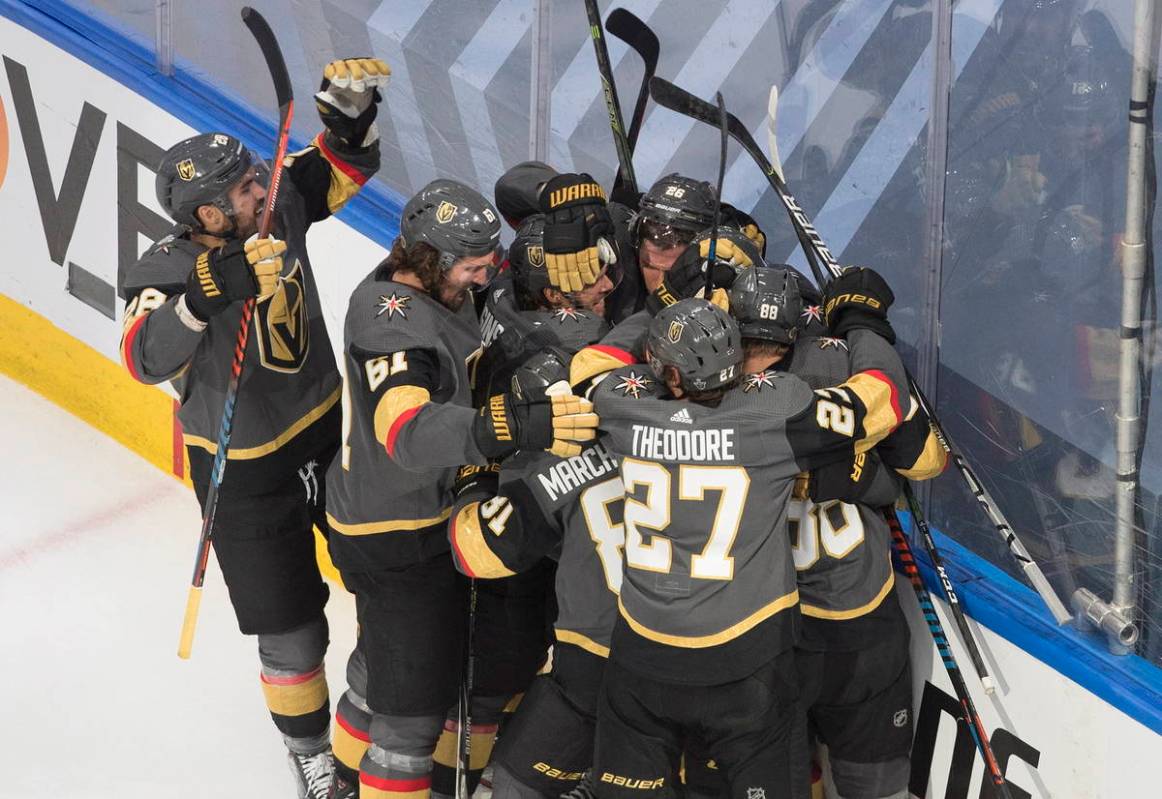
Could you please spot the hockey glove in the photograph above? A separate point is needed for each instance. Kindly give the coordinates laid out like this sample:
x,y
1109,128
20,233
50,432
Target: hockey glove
x,y
265,258
858,300
578,231
477,481
861,480
507,424
219,278
348,96
687,277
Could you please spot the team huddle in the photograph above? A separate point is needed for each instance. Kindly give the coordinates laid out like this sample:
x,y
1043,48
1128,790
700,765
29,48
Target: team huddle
x,y
609,502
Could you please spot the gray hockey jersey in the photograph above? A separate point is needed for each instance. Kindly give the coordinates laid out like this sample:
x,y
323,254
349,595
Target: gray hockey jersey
x,y
709,591
406,426
566,508
288,398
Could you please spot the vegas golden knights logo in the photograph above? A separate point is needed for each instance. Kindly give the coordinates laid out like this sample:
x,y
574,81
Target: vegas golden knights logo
x,y
282,326
445,212
536,255
186,169
674,334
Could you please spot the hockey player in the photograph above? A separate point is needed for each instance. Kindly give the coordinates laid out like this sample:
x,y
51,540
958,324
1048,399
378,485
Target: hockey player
x,y
853,654
544,505
409,340
523,314
182,313
583,232
685,429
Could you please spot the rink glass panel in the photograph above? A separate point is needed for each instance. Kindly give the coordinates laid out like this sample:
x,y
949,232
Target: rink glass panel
x,y
1017,293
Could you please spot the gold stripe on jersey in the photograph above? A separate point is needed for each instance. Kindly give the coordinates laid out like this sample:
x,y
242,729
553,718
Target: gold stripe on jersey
x,y
394,526
395,402
250,453
854,613
593,361
472,549
931,461
346,180
881,411
714,639
582,641
295,698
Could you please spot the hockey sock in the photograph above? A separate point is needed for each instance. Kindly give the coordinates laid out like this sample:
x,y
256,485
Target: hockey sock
x,y
298,702
486,713
398,763
352,734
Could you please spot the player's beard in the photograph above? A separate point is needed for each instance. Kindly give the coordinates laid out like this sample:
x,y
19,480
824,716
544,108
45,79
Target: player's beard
x,y
450,296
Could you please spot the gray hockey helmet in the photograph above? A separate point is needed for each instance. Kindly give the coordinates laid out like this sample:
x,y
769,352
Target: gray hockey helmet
x,y
532,379
766,303
455,219
674,210
698,339
200,171
526,256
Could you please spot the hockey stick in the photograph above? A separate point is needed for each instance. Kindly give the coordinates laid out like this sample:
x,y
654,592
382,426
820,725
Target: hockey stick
x,y
670,96
626,26
712,255
967,638
620,142
971,717
772,131
464,703
282,90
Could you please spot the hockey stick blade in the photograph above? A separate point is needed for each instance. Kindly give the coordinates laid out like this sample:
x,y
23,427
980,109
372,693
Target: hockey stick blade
x,y
267,42
772,132
626,26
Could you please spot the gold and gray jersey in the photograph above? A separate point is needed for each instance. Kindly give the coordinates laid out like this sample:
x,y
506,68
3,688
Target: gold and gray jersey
x,y
406,425
842,551
290,381
565,508
707,489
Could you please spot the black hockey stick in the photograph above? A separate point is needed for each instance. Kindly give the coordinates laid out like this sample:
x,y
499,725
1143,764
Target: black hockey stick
x,y
626,26
464,703
282,91
971,717
712,255
950,594
620,141
670,96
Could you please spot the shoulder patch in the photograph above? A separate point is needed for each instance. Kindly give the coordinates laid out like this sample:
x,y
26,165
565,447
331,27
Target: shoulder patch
x,y
632,384
758,380
393,304
811,313
826,342
563,315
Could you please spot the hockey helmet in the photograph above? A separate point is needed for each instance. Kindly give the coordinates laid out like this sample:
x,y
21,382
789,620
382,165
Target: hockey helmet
x,y
542,375
517,189
455,219
674,210
200,171
698,339
526,256
766,303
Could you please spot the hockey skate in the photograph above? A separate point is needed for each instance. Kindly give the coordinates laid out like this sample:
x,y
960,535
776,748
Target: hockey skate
x,y
343,789
313,774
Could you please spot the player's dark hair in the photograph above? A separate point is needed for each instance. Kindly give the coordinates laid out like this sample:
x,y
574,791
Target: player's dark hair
x,y
421,259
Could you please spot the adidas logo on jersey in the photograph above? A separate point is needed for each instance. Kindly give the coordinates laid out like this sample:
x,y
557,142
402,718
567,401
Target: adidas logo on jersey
x,y
682,416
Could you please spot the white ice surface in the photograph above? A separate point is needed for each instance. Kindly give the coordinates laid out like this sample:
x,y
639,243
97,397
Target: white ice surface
x,y
95,561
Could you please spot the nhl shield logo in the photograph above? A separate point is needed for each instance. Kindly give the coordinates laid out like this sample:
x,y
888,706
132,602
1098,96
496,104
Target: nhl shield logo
x,y
186,169
536,255
445,212
674,334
